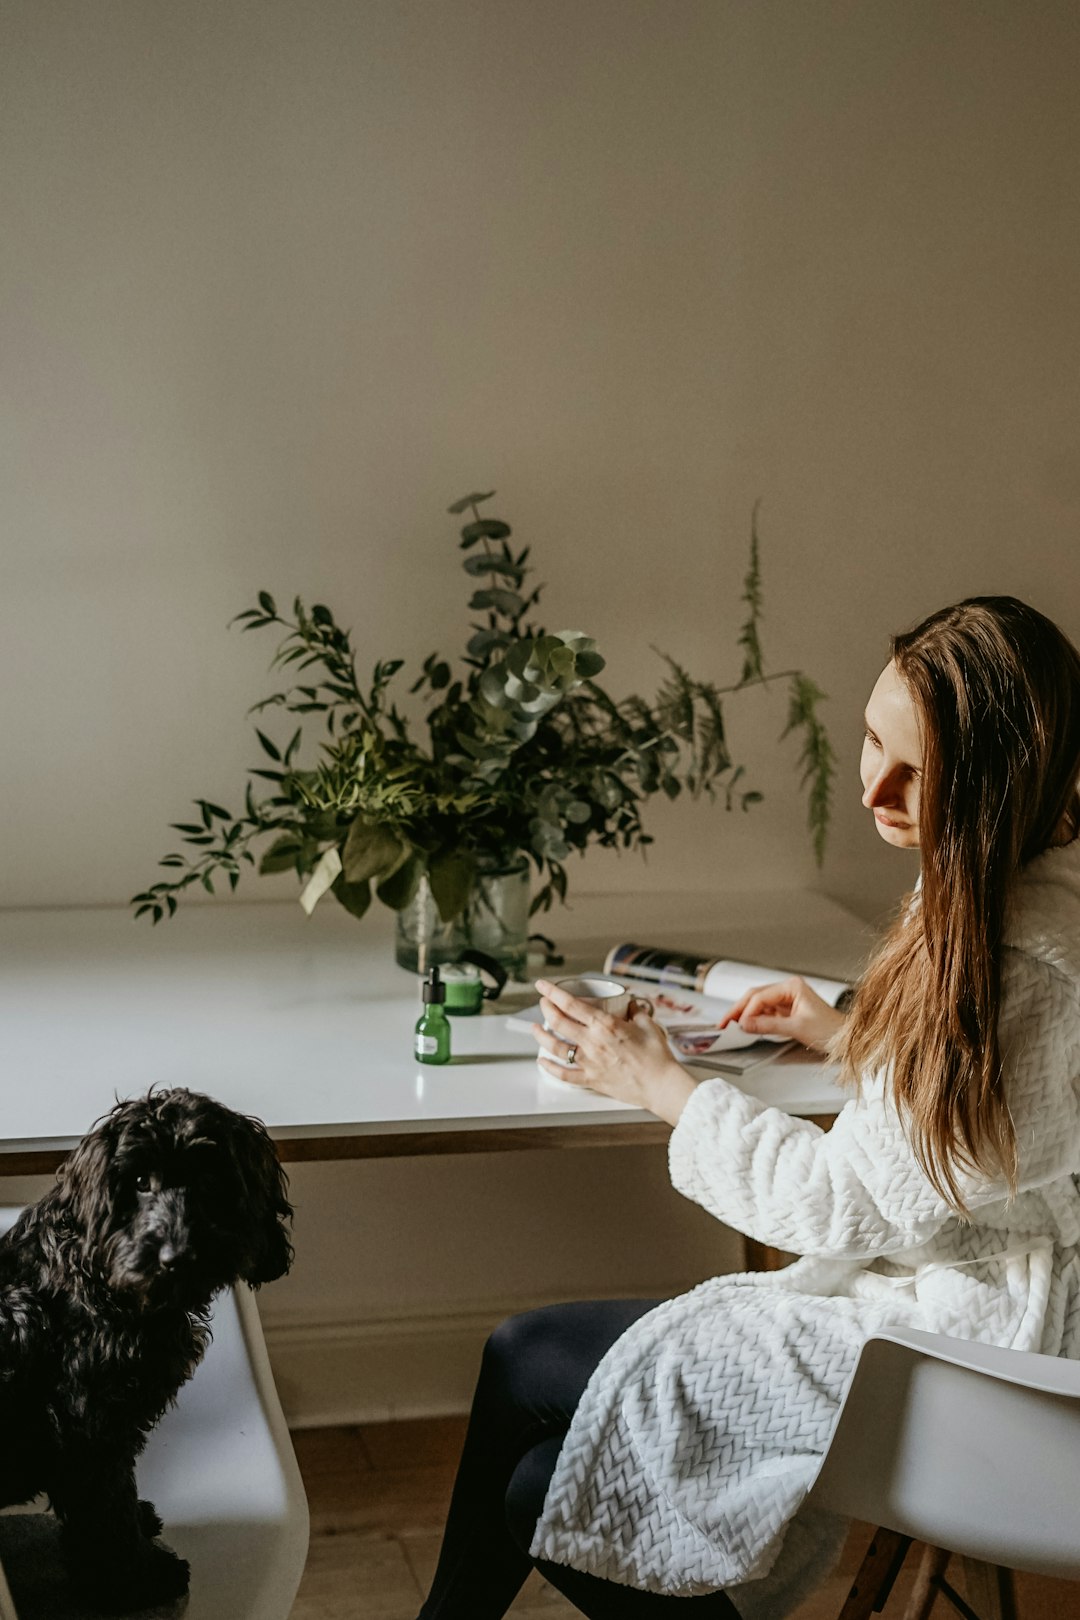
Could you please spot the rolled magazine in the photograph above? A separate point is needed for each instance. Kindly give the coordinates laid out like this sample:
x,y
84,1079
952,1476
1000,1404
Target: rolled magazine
x,y
712,976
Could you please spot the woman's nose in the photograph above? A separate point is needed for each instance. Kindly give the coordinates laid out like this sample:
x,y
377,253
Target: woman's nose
x,y
882,790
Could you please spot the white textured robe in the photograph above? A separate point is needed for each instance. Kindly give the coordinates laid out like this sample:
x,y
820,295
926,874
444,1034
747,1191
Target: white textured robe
x,y
704,1426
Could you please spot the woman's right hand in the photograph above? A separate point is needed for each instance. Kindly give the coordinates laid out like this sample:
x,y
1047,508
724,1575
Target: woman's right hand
x,y
789,1008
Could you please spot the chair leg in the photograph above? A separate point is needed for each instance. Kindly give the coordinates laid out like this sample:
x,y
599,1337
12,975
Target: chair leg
x,y
877,1572
991,1590
926,1590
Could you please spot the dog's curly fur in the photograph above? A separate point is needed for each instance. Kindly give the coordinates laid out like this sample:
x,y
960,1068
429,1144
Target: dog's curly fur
x,y
105,1291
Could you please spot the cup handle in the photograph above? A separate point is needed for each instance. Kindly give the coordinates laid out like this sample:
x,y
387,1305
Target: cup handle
x,y
640,1003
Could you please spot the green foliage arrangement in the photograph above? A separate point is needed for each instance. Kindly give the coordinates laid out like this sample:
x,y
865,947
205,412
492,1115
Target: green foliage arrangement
x,y
525,753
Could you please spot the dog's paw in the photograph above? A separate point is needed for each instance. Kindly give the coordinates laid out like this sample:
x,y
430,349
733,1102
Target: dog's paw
x,y
155,1577
149,1522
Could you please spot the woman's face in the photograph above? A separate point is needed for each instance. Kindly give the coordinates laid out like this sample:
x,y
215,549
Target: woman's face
x,y
891,764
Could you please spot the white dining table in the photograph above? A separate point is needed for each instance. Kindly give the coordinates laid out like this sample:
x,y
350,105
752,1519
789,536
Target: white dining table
x,y
308,1023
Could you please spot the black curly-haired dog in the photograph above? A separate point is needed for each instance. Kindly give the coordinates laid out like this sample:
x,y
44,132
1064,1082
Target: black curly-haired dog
x,y
105,1290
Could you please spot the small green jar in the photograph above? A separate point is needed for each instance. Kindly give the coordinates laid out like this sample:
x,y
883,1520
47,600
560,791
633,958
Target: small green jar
x,y
470,981
464,989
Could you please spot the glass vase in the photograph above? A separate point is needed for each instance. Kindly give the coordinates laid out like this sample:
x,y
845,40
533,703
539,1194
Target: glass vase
x,y
495,921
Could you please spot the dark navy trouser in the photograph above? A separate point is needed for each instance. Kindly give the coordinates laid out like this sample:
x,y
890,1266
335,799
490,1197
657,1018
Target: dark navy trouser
x,y
534,1370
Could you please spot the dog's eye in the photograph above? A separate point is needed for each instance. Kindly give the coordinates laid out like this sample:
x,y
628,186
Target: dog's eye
x,y
142,1182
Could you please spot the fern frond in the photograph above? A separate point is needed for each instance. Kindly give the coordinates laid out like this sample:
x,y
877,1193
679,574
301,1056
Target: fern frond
x,y
712,740
637,712
675,702
816,756
749,636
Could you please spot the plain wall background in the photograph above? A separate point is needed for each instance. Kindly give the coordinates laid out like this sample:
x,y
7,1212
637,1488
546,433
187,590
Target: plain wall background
x,y
281,280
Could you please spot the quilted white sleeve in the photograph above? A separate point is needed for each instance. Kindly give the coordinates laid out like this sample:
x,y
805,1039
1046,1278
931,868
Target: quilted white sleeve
x,y
853,1191
857,1191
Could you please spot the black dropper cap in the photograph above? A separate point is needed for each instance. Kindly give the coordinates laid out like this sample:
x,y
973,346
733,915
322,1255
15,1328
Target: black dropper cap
x,y
434,990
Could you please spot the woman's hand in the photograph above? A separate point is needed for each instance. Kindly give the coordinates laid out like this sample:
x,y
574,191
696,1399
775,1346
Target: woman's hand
x,y
625,1058
789,1008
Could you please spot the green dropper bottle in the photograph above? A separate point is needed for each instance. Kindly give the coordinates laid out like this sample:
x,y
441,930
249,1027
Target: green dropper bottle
x,y
433,1026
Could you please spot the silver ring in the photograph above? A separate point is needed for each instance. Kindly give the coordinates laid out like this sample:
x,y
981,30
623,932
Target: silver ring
x,y
571,1056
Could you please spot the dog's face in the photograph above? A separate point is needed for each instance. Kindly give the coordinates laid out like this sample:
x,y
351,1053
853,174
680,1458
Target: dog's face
x,y
175,1197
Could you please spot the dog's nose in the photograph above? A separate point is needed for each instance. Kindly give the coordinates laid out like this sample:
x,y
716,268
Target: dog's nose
x,y
167,1256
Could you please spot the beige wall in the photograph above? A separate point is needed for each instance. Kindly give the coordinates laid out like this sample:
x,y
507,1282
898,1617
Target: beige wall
x,y
279,281
404,1266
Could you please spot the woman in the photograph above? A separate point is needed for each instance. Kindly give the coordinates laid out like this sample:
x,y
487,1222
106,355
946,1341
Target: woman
x,y
651,1457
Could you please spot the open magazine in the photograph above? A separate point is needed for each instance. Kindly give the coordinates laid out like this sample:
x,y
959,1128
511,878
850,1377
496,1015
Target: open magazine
x,y
689,996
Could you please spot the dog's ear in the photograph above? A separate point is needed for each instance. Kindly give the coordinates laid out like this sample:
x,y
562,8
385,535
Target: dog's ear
x,y
86,1187
266,1187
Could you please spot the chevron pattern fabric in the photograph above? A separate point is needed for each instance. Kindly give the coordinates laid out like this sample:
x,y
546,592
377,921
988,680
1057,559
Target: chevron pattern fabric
x,y
703,1428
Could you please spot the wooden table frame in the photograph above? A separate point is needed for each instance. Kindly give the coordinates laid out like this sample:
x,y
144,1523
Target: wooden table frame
x,y
441,1144
414,1144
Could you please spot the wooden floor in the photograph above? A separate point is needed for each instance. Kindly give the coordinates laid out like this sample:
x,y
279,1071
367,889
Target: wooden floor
x,y
378,1496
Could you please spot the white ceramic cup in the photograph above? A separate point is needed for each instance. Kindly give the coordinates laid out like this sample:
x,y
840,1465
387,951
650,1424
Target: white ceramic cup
x,y
606,995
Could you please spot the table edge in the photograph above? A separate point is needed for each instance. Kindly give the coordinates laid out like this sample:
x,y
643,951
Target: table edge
x,y
414,1144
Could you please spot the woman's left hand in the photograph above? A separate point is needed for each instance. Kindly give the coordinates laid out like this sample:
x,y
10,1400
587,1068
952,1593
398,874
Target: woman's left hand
x,y
626,1058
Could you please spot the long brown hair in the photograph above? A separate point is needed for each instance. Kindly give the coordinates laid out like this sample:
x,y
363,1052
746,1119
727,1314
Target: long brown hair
x,y
996,688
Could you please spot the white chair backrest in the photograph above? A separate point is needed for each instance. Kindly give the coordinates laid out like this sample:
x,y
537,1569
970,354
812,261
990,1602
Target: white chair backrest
x,y
963,1446
221,1471
7,1602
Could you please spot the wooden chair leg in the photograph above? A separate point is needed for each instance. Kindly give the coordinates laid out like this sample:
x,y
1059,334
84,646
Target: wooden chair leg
x,y
990,1589
877,1572
925,1592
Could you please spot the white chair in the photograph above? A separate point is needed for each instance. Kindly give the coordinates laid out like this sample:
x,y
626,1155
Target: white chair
x,y
7,1602
964,1447
221,1471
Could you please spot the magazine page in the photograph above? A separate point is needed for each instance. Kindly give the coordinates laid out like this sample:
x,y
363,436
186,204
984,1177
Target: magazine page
x,y
692,1024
